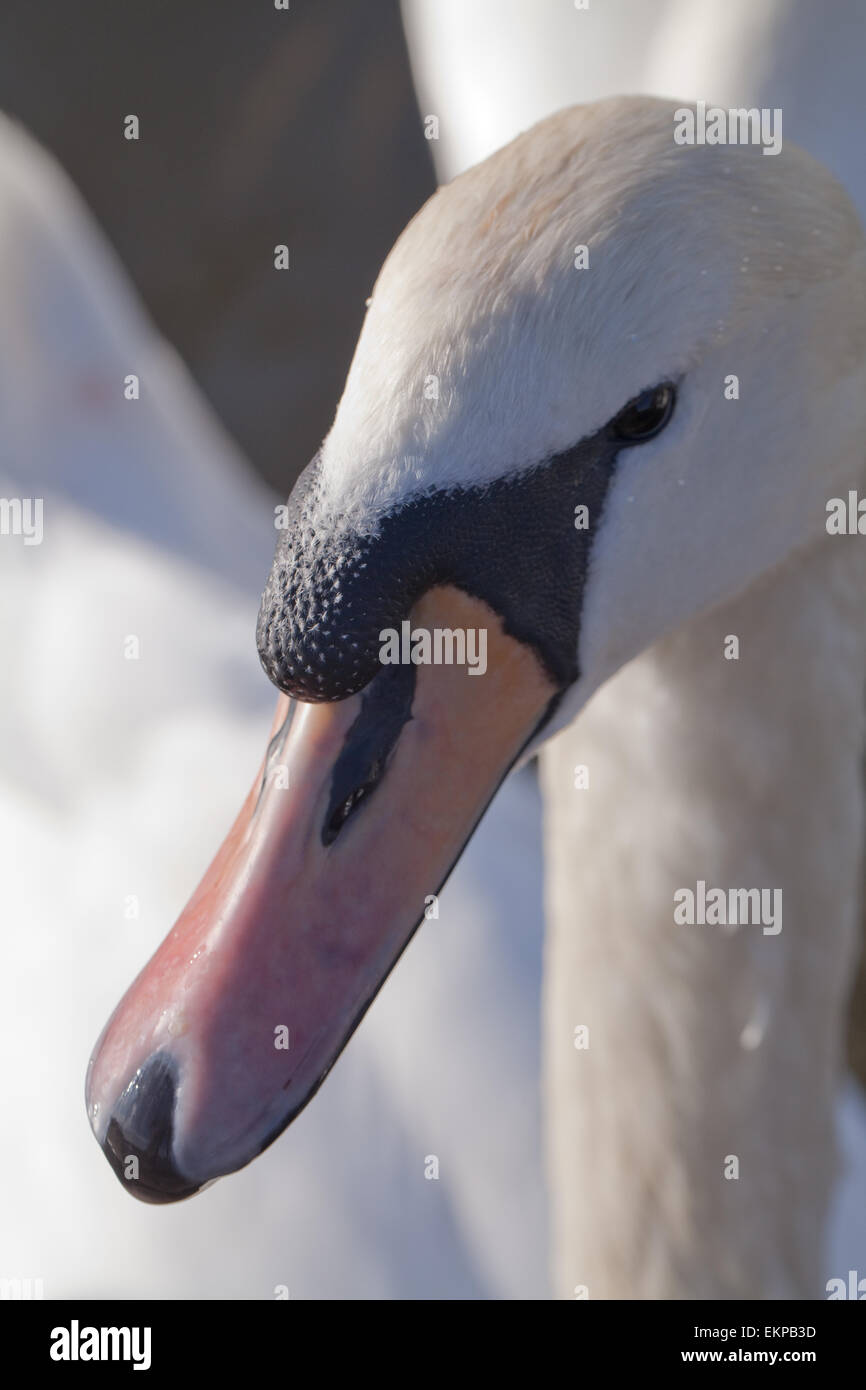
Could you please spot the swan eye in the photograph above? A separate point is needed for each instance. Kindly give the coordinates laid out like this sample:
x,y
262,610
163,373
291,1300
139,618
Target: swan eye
x,y
646,415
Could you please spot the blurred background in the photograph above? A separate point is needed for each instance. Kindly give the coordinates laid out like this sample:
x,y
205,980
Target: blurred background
x,y
259,127
119,775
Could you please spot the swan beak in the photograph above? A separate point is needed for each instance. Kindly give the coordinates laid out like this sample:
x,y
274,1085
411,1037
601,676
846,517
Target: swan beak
x,y
357,816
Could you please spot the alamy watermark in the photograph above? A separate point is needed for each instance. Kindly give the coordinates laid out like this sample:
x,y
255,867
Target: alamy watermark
x,y
19,1290
441,646
22,516
714,125
851,1288
729,907
77,1343
846,516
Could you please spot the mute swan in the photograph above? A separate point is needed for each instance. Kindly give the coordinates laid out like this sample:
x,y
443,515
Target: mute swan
x,y
497,388
497,67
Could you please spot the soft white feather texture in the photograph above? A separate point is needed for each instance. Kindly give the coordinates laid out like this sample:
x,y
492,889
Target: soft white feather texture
x,y
706,1043
490,69
531,354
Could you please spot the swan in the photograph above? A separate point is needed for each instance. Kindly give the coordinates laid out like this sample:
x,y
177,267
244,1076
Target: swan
x,y
499,394
470,67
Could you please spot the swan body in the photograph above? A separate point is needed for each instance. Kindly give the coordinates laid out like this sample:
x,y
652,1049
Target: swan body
x,y
703,1050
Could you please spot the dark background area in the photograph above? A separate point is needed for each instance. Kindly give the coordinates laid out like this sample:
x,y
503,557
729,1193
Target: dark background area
x,y
258,127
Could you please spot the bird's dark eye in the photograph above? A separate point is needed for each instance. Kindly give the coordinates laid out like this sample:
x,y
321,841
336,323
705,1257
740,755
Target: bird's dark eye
x,y
646,415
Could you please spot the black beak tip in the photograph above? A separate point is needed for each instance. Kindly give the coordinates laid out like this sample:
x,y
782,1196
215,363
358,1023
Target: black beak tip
x,y
138,1140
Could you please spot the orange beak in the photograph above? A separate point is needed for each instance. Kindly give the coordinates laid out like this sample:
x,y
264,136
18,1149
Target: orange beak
x,y
357,816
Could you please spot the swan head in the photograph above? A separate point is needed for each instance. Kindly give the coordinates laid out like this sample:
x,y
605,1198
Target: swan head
x,y
496,369
605,381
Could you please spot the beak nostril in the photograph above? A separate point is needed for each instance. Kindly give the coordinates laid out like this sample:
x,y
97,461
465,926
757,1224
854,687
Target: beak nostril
x,y
347,808
386,705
